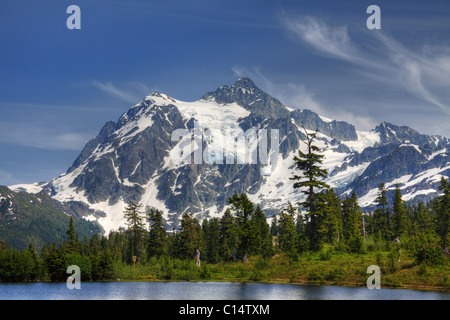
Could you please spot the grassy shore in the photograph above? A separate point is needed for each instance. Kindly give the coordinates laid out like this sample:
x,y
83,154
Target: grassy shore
x,y
317,268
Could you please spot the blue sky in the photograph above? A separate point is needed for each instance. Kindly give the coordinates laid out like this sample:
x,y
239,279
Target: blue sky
x,y
59,86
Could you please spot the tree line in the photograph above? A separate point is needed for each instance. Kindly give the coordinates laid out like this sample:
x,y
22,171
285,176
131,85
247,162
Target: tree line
x,y
322,219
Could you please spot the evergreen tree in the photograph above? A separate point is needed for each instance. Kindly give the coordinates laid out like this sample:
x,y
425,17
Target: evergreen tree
x,y
16,266
173,243
190,236
72,238
443,213
117,240
274,226
157,237
381,214
228,236
399,214
36,270
94,245
352,218
287,232
55,261
423,218
211,233
423,230
260,237
243,209
312,174
333,217
136,230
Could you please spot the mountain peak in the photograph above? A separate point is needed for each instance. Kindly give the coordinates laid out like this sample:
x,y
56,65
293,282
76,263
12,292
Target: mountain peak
x,y
160,95
242,87
244,82
390,133
246,94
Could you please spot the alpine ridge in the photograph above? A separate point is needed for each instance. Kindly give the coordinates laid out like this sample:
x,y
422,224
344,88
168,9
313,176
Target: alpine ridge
x,y
132,159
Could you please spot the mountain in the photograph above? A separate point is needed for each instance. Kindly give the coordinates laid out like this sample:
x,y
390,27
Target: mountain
x,y
39,219
181,157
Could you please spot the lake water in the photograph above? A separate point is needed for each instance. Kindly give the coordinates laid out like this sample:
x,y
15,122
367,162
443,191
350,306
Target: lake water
x,y
204,291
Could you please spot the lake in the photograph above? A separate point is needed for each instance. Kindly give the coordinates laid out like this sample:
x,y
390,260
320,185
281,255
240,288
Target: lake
x,y
205,291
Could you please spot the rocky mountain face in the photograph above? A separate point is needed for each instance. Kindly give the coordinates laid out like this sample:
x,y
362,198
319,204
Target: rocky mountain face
x,y
135,157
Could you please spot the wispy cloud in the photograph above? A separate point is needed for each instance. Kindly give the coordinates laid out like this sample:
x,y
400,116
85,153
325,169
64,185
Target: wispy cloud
x,y
112,90
131,92
333,41
391,64
417,72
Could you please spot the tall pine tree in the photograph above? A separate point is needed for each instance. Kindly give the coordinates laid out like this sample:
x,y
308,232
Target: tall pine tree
x,y
381,216
157,236
228,236
399,214
72,238
190,236
260,237
136,230
243,209
352,217
287,238
333,217
211,235
311,181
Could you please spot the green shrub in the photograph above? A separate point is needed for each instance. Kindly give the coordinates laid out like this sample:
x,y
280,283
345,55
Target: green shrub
x,y
392,264
325,255
337,274
315,275
261,263
379,259
256,275
423,270
431,255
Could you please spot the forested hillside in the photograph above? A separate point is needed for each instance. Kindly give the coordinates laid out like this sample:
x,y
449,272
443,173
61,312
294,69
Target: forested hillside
x,y
36,218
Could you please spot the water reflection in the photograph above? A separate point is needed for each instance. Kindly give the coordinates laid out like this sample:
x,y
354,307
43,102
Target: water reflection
x,y
205,291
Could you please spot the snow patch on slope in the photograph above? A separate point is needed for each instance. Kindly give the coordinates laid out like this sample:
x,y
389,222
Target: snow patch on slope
x,y
276,190
30,188
365,139
408,181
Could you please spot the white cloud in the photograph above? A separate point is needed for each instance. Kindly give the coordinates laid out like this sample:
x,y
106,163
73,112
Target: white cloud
x,y
414,69
333,41
112,90
131,91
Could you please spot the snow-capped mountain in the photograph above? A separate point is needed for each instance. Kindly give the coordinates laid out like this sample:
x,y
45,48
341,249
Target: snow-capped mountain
x,y
136,157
